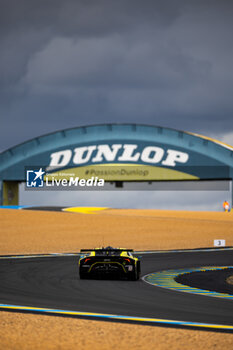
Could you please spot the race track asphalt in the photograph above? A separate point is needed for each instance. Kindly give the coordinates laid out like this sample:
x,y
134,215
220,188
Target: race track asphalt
x,y
53,282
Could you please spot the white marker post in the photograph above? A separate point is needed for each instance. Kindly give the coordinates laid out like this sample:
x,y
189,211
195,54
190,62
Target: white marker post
x,y
219,243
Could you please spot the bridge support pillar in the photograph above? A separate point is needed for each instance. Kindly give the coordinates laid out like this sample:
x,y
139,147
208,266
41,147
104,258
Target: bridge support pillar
x,y
9,191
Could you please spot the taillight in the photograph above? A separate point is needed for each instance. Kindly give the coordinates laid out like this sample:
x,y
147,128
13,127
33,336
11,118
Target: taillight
x,y
86,260
127,260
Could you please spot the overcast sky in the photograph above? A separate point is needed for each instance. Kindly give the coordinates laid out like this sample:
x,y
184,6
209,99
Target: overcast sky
x,y
65,63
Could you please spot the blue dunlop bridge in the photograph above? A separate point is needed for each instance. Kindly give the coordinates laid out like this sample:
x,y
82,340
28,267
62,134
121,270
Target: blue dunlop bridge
x,y
117,153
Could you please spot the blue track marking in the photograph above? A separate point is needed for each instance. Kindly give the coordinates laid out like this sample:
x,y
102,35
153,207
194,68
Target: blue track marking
x,y
13,206
166,279
9,307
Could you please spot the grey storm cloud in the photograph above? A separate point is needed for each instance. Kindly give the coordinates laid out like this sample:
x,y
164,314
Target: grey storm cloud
x,y
70,63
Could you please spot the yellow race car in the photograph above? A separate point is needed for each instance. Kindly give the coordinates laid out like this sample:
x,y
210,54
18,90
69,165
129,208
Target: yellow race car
x,y
108,262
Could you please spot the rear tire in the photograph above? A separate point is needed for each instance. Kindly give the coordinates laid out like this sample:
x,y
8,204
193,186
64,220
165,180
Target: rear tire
x,y
134,275
138,267
82,276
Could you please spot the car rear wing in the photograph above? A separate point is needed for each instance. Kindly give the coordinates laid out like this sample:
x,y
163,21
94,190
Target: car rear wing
x,y
102,250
